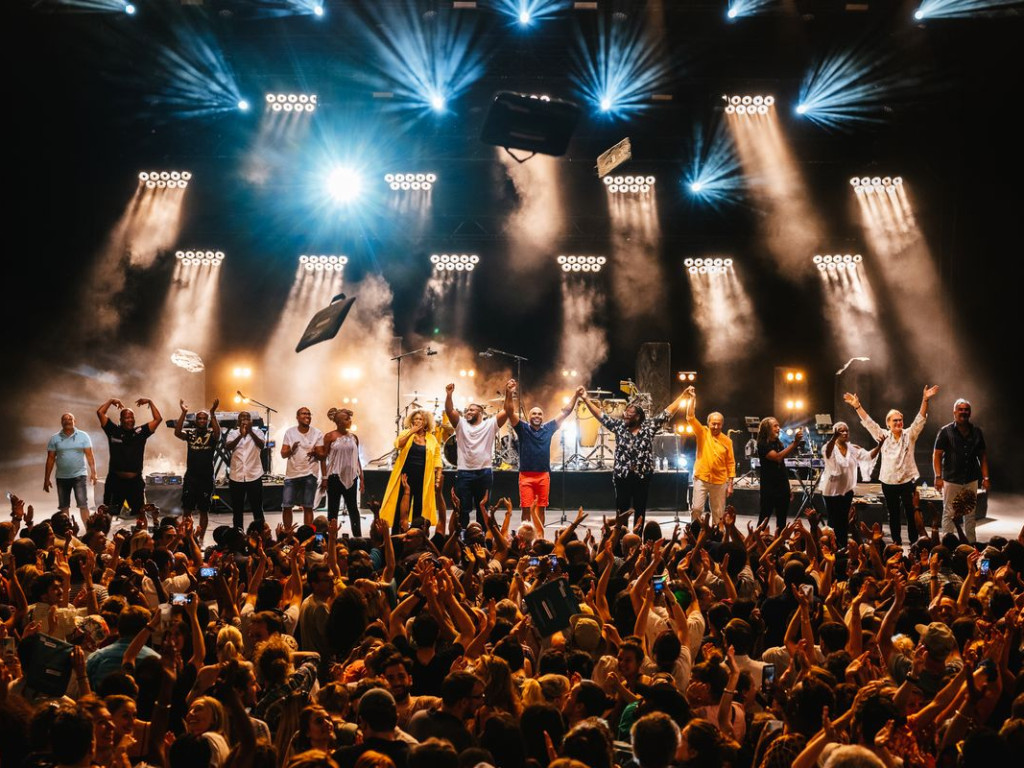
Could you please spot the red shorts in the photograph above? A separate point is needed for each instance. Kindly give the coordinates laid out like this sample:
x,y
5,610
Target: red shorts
x,y
534,487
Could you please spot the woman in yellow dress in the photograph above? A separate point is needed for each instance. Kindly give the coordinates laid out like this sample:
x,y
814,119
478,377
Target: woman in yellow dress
x,y
419,460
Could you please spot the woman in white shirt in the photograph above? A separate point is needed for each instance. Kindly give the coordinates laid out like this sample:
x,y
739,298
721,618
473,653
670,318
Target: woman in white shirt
x,y
839,478
898,472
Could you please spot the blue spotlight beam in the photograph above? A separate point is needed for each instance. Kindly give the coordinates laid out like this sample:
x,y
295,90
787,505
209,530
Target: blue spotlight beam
x,y
426,64
938,9
741,8
97,6
715,176
526,13
619,75
850,88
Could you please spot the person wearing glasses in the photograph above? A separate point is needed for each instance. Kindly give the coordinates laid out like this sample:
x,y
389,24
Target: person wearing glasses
x,y
898,473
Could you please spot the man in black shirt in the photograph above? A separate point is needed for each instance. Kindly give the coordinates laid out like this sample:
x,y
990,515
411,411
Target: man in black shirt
x,y
775,491
378,718
960,461
462,694
127,443
197,489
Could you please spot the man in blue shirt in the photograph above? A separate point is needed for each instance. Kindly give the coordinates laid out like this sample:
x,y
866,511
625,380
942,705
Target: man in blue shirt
x,y
69,450
534,451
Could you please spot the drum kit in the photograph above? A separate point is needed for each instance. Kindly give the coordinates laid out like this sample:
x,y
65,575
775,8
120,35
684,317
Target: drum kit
x,y
591,446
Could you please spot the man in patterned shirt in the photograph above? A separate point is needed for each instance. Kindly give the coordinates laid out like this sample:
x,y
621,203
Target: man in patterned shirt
x,y
634,452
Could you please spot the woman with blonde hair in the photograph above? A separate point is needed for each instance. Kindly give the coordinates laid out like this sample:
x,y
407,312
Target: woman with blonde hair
x,y
500,691
206,719
547,689
417,472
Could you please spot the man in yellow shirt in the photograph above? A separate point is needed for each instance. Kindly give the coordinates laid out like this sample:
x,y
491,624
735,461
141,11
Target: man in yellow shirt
x,y
715,466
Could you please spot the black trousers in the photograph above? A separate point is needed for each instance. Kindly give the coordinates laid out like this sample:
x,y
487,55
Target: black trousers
x,y
414,475
774,502
631,493
117,491
838,509
336,491
897,496
253,491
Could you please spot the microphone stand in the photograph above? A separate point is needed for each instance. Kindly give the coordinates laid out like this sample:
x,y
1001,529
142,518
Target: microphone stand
x,y
519,380
398,384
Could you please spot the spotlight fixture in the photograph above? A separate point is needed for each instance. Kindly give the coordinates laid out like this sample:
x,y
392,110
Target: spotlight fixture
x,y
200,258
318,10
243,105
690,376
569,373
417,182
748,105
582,263
242,372
129,9
467,372
709,266
351,373
437,103
291,102
629,185
344,184
869,184
837,262
323,263
454,262
165,179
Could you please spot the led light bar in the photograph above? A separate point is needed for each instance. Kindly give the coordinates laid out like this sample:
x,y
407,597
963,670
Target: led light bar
x,y
837,262
419,182
323,263
165,179
625,185
291,102
710,266
454,262
582,263
200,258
865,184
748,105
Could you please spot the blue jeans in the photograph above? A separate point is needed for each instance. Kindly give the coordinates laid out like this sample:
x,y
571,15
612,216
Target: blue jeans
x,y
471,485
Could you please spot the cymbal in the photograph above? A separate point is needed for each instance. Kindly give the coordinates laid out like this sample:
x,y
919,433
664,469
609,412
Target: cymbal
x,y
598,392
496,400
415,395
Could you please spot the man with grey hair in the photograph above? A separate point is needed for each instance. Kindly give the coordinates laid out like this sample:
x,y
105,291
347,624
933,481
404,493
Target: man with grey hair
x,y
960,462
715,466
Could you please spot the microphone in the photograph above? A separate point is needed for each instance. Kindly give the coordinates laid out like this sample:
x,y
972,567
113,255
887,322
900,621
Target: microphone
x,y
486,353
431,351
239,393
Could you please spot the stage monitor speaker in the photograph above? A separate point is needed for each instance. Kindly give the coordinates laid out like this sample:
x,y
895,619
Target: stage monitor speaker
x,y
326,323
654,373
529,123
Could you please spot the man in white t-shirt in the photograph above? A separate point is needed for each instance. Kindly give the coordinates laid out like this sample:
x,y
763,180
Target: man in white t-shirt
x,y
246,482
475,437
303,446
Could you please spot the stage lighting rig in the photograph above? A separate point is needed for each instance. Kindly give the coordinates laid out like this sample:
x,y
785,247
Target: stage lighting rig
x,y
837,262
687,376
165,179
291,102
200,258
582,263
867,184
323,263
454,262
629,185
416,182
748,105
710,266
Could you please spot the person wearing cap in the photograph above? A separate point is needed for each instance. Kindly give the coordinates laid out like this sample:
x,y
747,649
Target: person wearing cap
x,y
378,721
960,461
475,443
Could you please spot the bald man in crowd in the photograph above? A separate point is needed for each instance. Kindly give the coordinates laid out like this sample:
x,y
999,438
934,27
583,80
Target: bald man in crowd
x,y
715,466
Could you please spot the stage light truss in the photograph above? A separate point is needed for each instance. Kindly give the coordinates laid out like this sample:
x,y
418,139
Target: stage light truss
x,y
200,258
626,185
750,104
454,262
838,261
582,263
291,102
417,182
711,266
165,179
320,263
866,184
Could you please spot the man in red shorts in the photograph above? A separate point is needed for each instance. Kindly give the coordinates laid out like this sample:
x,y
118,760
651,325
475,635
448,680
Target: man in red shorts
x,y
534,451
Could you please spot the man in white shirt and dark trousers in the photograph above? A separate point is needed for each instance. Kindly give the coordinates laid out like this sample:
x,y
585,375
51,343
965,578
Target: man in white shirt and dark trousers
x,y
245,443
303,447
475,442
